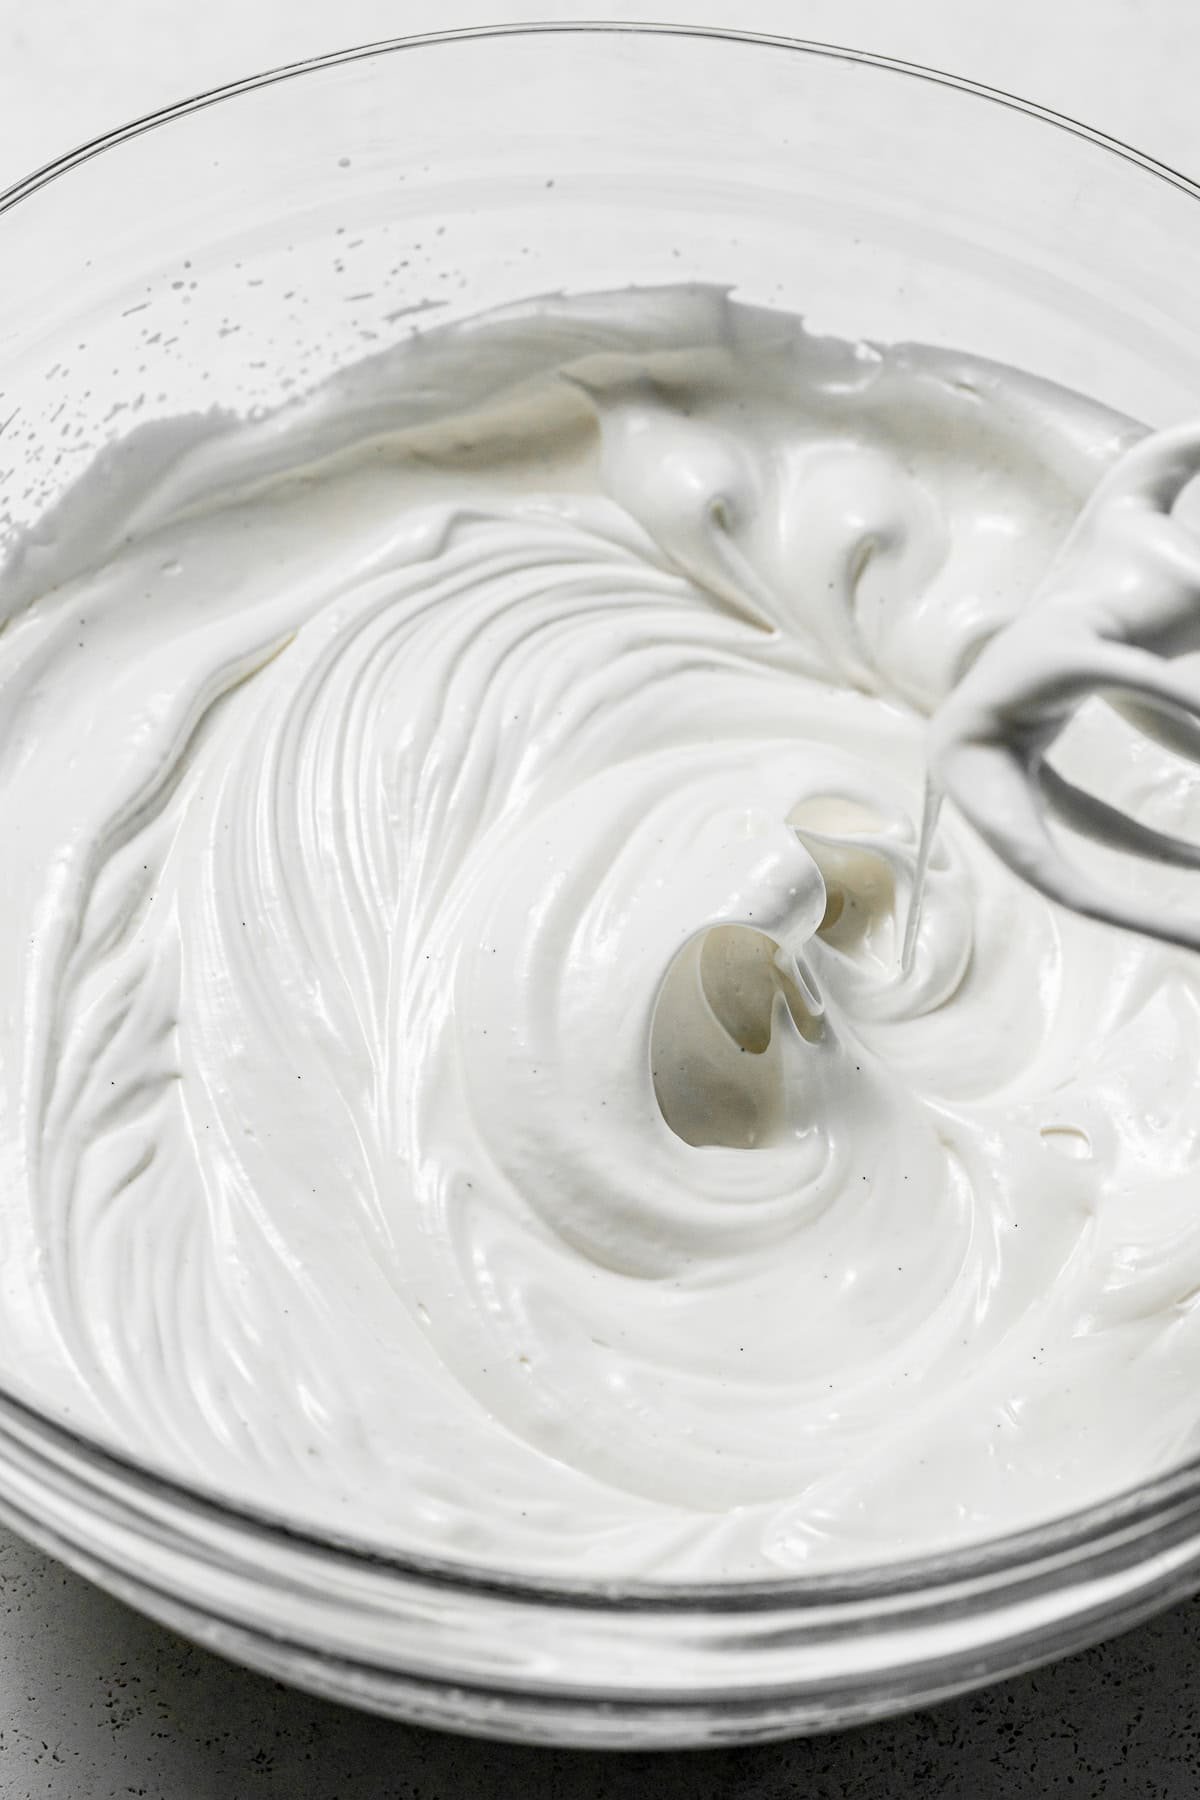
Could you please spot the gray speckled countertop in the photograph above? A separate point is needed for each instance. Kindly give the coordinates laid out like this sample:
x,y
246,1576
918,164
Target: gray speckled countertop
x,y
97,1703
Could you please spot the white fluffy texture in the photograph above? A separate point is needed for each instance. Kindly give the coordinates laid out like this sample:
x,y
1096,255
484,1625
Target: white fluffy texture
x,y
412,797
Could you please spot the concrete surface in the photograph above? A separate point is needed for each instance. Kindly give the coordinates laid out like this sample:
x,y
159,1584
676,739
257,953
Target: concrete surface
x,y
97,1703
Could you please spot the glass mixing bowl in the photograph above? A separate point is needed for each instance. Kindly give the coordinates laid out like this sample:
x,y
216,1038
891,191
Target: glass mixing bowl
x,y
235,248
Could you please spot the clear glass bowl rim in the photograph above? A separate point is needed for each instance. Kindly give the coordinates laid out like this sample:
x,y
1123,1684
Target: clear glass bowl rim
x,y
1116,1524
